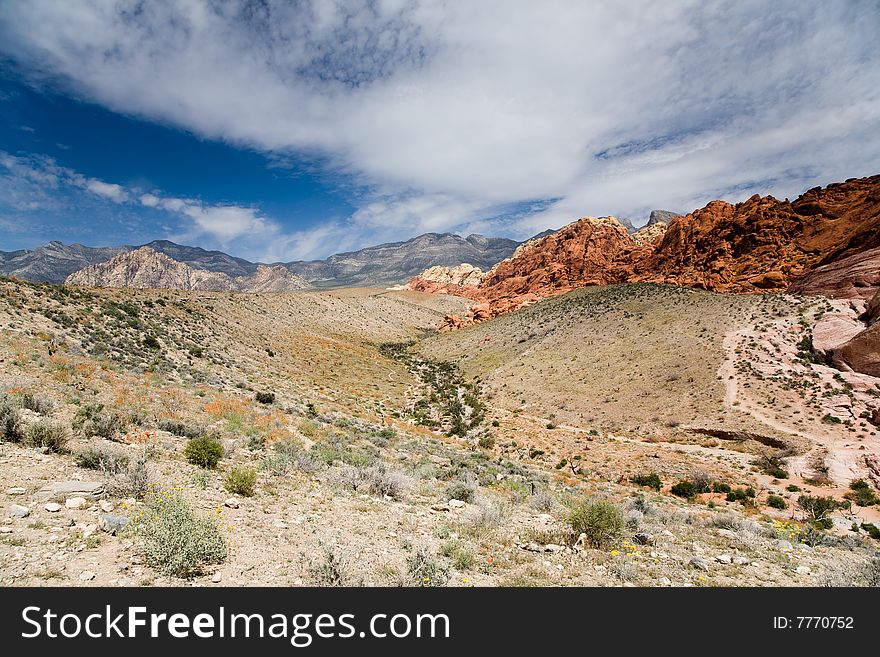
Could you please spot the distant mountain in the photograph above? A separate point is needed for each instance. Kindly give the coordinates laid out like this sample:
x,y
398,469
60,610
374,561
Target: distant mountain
x,y
397,262
382,265
55,261
662,216
146,268
199,258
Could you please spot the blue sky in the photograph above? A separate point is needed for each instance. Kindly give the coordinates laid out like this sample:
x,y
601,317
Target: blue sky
x,y
292,130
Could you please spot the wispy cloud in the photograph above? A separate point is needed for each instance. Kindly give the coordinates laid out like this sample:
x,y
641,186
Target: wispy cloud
x,y
449,111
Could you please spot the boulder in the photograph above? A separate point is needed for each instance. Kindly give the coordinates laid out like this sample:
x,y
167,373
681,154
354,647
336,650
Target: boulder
x,y
111,523
861,353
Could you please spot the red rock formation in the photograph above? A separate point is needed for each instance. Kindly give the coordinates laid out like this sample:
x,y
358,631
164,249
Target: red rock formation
x,y
761,244
580,254
766,244
855,276
862,353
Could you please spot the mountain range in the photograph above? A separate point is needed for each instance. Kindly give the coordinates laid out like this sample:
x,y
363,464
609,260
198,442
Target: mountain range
x,y
382,265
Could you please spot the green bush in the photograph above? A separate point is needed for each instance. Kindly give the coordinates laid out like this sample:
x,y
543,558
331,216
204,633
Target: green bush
x,y
11,427
818,509
173,538
684,488
861,493
460,490
423,570
741,494
91,420
265,397
204,451
47,435
776,502
601,521
721,487
649,480
178,428
241,481
873,530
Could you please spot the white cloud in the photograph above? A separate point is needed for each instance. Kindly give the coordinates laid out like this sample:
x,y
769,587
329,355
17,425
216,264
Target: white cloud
x,y
450,111
107,190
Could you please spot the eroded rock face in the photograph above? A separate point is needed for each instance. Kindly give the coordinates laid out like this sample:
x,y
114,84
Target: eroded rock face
x,y
761,244
447,280
582,253
853,277
874,308
145,268
861,353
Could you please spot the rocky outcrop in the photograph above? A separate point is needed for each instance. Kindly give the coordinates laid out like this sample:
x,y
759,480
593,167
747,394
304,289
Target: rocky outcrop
x,y
761,244
650,233
582,253
873,311
861,353
855,276
145,268
447,280
661,216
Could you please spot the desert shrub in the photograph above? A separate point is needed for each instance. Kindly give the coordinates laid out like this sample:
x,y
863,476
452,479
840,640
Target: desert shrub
x,y
47,435
819,509
178,428
460,490
793,488
771,465
423,570
150,342
378,480
458,553
486,441
684,488
726,520
651,480
173,538
776,502
110,461
600,520
289,454
721,487
861,493
204,451
265,397
91,420
543,500
35,403
332,570
11,427
872,530
130,480
741,495
241,481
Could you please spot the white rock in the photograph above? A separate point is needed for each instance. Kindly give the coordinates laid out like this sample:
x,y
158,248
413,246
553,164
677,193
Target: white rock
x,y
740,560
19,511
76,503
216,577
724,558
52,507
456,504
231,502
5,530
106,506
86,576
15,491
665,581
803,570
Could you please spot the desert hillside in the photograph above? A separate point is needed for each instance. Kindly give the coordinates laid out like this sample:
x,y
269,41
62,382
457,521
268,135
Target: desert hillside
x,y
336,439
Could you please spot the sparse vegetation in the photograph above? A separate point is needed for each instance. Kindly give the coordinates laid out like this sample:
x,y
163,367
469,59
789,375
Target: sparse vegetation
x,y
600,520
241,481
173,538
651,480
204,451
